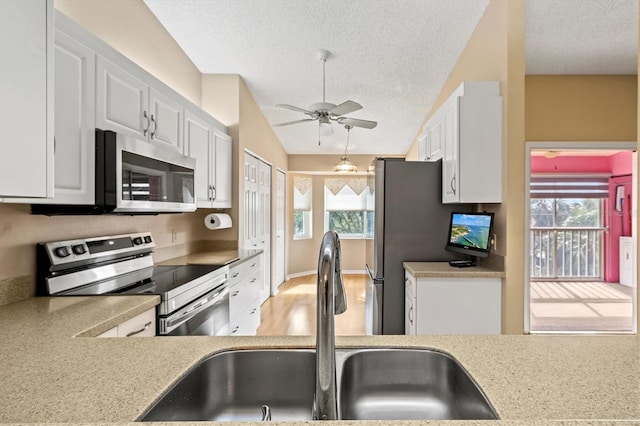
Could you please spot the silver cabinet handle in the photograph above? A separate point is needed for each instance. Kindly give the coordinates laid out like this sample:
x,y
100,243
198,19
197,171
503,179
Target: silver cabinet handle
x,y
155,126
133,333
213,192
253,311
146,129
235,293
253,281
253,264
235,329
453,183
235,275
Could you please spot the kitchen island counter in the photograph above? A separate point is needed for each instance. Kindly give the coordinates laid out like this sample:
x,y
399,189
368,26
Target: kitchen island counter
x,y
50,376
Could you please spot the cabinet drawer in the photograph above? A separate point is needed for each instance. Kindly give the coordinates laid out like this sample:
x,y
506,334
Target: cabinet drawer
x,y
243,270
247,323
244,293
143,325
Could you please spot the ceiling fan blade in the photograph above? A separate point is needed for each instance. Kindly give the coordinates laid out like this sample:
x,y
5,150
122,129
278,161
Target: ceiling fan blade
x,y
357,122
295,108
345,108
293,122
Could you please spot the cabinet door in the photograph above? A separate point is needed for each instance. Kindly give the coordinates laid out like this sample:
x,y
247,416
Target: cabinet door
x,y
121,101
250,199
450,175
26,95
222,171
430,144
74,128
458,306
198,139
166,117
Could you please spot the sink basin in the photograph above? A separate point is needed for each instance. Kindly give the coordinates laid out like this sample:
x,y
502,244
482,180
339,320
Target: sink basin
x,y
373,384
409,384
234,385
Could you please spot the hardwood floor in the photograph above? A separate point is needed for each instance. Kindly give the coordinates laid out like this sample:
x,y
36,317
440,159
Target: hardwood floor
x,y
293,310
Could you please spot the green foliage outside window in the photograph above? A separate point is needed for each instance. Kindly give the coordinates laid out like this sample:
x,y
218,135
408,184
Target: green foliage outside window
x,y
349,223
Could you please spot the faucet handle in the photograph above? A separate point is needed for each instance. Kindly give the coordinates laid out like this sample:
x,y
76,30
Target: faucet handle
x,y
340,296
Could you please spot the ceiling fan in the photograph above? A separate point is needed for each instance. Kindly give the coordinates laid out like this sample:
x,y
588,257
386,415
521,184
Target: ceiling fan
x,y
325,112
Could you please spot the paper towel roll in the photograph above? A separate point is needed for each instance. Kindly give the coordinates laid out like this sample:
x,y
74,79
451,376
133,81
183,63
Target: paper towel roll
x,y
217,221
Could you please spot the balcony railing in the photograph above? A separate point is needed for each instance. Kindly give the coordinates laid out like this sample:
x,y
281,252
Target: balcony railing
x,y
566,253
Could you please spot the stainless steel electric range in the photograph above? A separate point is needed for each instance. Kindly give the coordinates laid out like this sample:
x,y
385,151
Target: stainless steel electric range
x,y
194,298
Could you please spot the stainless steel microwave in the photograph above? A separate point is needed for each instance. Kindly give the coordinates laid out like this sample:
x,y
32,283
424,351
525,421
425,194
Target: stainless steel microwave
x,y
135,177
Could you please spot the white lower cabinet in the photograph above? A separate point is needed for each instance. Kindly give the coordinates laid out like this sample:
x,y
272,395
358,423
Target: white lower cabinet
x,y
142,325
245,284
454,305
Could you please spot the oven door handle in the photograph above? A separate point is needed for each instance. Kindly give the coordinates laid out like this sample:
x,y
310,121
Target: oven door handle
x,y
197,307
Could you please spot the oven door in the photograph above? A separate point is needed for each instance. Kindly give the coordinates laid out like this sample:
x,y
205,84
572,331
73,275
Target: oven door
x,y
206,316
152,178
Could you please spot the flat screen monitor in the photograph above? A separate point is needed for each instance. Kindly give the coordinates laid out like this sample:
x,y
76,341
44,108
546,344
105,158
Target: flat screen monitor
x,y
470,233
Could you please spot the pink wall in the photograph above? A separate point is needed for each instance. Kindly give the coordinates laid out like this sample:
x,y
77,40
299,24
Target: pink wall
x,y
619,167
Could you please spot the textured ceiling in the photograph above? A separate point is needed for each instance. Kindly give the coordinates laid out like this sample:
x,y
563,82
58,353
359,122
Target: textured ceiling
x,y
581,36
391,56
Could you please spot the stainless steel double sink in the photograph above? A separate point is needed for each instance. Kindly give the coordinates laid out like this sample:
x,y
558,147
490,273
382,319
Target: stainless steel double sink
x,y
373,384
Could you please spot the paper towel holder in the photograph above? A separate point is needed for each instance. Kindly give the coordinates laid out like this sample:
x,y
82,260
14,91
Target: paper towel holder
x,y
217,221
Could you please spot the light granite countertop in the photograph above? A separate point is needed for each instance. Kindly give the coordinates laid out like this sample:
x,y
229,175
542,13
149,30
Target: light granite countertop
x,y
51,375
444,270
213,257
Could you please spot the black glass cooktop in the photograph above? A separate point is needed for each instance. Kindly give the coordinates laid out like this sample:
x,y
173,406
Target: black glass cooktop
x,y
163,279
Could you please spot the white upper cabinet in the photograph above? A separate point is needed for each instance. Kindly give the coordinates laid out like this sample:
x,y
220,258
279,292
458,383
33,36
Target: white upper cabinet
x,y
223,176
212,151
74,119
26,98
430,143
471,127
127,104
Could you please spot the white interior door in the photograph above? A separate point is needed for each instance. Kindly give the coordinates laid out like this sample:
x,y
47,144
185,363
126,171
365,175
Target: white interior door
x,y
280,227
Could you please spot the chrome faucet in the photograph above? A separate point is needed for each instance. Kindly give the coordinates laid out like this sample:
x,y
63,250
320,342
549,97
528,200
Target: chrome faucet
x,y
331,301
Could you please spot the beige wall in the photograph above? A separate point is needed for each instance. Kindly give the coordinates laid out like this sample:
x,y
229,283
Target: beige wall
x,y
581,107
303,254
227,98
131,28
495,51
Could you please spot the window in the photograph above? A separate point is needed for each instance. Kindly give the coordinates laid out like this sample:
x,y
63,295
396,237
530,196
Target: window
x,y
346,208
302,195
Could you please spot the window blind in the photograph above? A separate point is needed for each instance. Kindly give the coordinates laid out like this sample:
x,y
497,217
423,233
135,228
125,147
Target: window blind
x,y
345,200
578,186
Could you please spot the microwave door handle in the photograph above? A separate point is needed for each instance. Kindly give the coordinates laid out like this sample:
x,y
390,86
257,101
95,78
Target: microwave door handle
x,y
186,316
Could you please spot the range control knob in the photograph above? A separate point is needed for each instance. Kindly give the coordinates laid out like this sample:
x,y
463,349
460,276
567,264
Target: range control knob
x,y
137,241
147,239
79,249
62,251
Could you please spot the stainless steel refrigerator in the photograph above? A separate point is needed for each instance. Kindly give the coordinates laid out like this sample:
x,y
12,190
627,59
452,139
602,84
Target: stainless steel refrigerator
x,y
410,225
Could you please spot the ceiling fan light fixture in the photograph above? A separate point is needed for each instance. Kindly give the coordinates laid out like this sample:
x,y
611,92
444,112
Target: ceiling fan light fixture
x,y
326,129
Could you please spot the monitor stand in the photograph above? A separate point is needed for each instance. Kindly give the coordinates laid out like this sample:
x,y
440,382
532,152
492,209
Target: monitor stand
x,y
462,263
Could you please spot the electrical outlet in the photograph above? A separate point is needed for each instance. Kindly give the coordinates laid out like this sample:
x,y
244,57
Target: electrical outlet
x,y
174,236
